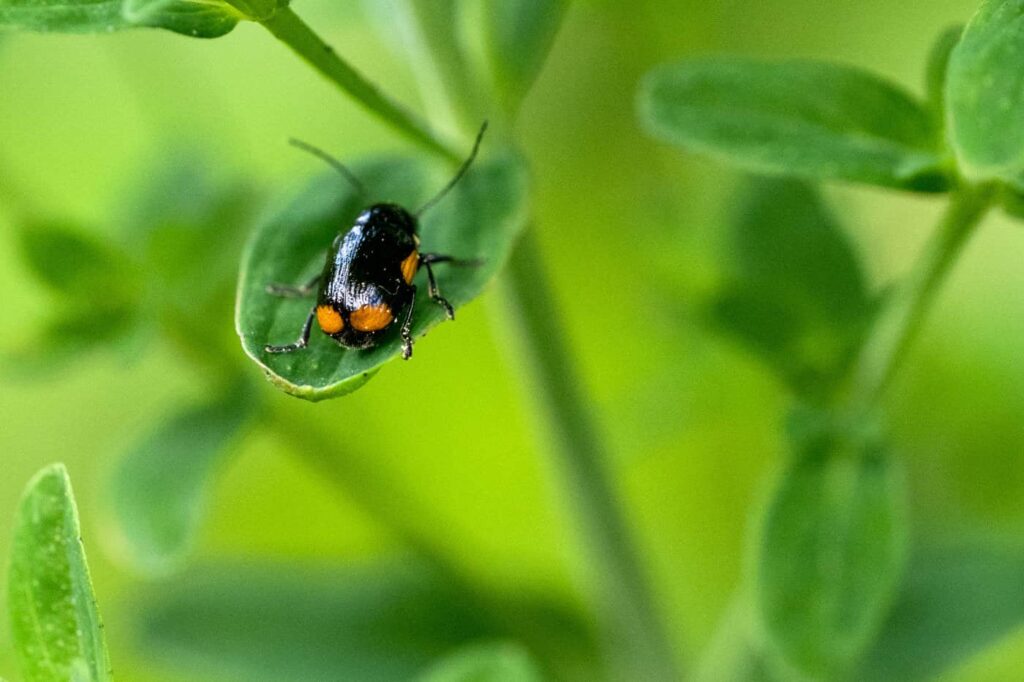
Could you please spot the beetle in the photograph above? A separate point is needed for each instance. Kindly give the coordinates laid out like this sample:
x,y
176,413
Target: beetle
x,y
367,280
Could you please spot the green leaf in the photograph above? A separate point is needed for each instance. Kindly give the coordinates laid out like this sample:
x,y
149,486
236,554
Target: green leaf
x,y
479,219
955,601
804,118
198,18
985,102
379,622
97,288
794,294
938,70
189,229
53,610
76,264
68,334
160,488
492,662
519,34
831,548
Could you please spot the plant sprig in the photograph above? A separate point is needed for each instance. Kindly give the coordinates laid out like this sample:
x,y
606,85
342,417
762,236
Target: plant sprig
x,y
821,121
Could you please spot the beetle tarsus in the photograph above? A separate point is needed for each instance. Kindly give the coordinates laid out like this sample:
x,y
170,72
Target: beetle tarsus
x,y
289,291
407,327
300,343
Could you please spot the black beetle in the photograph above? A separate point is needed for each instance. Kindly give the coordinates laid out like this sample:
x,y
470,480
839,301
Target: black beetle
x,y
366,283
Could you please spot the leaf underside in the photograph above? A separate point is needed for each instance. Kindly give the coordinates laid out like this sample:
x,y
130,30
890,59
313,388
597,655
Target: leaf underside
x,y
804,118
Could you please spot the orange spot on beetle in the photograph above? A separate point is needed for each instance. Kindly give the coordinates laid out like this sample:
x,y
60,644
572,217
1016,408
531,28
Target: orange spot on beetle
x,y
410,265
371,318
329,319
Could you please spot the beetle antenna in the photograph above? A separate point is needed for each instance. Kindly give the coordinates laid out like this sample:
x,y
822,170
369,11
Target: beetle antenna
x,y
333,162
458,176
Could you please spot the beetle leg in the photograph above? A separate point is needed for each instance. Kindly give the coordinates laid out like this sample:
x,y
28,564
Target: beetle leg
x,y
428,259
301,342
289,291
432,287
432,258
407,328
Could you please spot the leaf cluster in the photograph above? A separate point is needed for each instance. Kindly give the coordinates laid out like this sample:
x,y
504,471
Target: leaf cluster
x,y
170,272
827,596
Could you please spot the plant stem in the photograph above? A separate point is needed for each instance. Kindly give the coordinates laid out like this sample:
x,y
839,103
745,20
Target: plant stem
x,y
627,613
900,322
292,31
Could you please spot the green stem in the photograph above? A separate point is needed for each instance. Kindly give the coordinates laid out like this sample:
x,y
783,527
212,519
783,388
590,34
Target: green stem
x,y
292,31
901,320
627,609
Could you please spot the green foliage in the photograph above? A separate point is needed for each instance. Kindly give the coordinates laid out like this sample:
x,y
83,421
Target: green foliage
x,y
74,263
519,35
161,486
55,623
985,99
795,295
831,550
956,600
804,118
479,219
498,662
95,289
380,622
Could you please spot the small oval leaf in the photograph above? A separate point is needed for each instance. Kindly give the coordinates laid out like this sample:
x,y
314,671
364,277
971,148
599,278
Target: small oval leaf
x,y
480,219
985,100
832,548
519,36
958,599
160,487
55,621
196,18
795,294
805,118
383,621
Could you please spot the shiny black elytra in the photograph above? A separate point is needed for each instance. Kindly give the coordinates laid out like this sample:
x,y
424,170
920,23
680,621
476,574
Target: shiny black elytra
x,y
366,283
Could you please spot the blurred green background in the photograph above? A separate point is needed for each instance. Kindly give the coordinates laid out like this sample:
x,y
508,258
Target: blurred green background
x,y
631,232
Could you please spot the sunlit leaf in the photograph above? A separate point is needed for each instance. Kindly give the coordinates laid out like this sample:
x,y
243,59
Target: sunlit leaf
x,y
160,487
199,18
381,622
55,621
480,219
794,293
519,36
804,118
955,601
831,550
985,102
494,662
